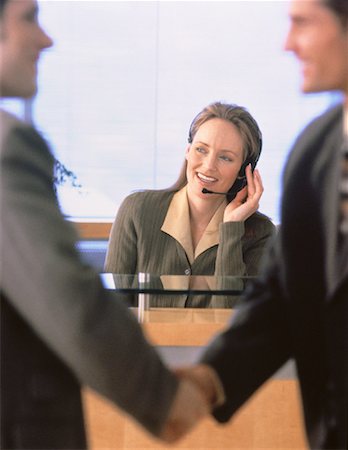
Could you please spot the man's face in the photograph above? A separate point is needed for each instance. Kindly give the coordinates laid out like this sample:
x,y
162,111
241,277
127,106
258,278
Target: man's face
x,y
21,42
320,42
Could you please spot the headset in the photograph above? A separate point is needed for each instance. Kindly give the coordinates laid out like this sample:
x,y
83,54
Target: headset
x,y
241,180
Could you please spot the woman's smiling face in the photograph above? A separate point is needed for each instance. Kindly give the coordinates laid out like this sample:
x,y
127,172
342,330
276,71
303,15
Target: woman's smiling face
x,y
214,157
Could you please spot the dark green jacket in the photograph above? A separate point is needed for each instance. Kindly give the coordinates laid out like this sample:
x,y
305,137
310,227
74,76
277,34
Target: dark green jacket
x,y
137,243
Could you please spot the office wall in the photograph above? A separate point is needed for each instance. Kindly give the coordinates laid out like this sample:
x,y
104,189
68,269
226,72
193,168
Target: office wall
x,y
125,78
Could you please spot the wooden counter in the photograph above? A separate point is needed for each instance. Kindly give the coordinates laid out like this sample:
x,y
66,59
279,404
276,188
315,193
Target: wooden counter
x,y
272,418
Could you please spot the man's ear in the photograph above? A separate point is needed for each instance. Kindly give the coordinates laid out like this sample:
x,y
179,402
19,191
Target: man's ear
x,y
1,29
187,151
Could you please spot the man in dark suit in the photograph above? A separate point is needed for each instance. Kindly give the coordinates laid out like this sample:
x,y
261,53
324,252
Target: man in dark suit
x,y
59,327
299,306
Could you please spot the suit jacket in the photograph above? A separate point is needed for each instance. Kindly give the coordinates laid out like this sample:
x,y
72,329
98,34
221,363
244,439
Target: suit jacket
x,y
144,238
299,307
61,328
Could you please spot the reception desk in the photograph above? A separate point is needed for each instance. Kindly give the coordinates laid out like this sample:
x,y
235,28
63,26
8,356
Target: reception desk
x,y
272,419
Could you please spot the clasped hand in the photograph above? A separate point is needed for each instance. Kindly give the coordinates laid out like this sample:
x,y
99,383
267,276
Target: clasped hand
x,y
194,400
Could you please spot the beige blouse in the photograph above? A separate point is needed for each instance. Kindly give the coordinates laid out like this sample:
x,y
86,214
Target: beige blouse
x,y
177,225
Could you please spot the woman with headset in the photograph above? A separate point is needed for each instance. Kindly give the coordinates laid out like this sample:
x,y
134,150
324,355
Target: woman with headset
x,y
207,223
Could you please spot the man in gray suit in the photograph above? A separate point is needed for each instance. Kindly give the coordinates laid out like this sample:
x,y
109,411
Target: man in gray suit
x,y
59,327
299,306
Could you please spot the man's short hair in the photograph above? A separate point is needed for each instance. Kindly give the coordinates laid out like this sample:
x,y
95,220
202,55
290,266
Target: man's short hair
x,y
340,8
2,6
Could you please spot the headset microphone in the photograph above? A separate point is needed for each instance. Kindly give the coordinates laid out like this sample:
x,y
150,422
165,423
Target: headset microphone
x,y
206,191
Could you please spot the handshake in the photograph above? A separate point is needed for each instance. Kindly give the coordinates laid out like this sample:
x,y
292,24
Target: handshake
x,y
199,391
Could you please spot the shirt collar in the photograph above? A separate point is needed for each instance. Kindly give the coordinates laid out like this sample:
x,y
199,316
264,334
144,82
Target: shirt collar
x,y
177,225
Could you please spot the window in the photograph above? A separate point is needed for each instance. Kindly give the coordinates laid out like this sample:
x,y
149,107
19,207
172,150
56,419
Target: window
x,y
120,87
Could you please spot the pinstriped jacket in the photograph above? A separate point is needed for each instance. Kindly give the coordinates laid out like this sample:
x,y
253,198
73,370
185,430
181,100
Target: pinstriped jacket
x,y
151,233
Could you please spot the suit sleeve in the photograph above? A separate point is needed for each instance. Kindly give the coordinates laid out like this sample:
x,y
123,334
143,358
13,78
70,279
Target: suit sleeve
x,y
242,246
62,299
255,345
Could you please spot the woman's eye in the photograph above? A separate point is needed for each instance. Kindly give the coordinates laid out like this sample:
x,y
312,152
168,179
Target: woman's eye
x,y
225,158
200,150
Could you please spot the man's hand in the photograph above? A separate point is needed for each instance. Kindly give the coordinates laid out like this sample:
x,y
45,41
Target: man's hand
x,y
207,380
190,405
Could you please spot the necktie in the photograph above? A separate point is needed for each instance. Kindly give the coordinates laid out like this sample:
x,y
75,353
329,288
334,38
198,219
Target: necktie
x,y
342,256
343,227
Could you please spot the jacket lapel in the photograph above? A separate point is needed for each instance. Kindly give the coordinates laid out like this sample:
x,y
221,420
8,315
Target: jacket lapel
x,y
177,223
330,161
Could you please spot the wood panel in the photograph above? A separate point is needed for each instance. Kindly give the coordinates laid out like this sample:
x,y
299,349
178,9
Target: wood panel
x,y
271,419
93,230
185,327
